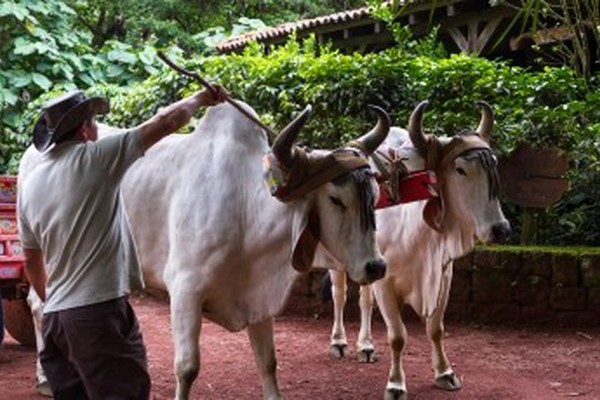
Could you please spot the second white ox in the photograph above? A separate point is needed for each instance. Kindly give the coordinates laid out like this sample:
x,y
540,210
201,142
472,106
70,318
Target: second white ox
x,y
420,240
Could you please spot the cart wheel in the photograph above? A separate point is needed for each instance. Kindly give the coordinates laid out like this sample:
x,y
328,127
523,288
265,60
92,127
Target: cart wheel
x,y
18,321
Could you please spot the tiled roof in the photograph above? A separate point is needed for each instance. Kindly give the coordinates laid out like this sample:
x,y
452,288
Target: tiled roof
x,y
288,28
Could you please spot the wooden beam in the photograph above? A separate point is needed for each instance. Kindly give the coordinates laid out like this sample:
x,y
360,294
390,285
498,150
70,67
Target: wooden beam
x,y
329,28
459,39
415,7
473,33
464,18
363,41
463,27
474,42
486,34
476,39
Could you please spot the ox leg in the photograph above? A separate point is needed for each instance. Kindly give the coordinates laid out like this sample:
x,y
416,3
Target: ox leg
x,y
263,346
442,369
390,307
186,320
339,343
365,350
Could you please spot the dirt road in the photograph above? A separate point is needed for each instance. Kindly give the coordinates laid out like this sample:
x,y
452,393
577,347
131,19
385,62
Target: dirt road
x,y
493,362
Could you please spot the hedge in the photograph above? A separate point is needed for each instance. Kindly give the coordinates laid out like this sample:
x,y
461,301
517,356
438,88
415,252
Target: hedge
x,y
551,107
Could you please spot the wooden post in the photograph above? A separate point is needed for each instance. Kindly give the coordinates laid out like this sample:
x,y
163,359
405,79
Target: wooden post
x,y
528,227
534,180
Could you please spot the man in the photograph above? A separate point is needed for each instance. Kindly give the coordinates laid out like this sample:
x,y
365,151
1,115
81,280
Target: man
x,y
79,256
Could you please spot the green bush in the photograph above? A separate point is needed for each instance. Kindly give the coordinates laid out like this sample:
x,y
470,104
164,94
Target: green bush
x,y
41,52
547,108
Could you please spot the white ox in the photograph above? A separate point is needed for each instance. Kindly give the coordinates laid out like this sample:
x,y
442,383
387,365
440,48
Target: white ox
x,y
208,231
420,240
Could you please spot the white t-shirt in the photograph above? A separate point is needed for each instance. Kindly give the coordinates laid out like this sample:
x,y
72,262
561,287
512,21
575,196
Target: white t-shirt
x,y
69,207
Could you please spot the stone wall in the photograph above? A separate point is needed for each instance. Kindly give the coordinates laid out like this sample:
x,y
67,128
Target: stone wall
x,y
497,285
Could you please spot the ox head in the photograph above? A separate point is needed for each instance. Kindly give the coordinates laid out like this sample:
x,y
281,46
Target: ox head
x,y
338,190
468,178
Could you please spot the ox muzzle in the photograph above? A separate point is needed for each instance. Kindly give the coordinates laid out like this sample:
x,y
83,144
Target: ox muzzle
x,y
375,270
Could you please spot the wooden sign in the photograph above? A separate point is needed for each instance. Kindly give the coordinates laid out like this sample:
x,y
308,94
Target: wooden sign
x,y
532,177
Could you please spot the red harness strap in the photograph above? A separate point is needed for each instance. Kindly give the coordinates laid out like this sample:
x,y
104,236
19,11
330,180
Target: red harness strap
x,y
418,185
397,185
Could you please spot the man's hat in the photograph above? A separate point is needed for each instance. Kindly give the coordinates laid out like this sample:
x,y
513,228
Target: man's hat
x,y
64,114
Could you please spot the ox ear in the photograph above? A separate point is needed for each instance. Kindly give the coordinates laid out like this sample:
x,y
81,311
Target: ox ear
x,y
305,238
433,214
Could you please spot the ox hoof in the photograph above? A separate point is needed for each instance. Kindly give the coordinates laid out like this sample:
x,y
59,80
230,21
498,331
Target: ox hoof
x,y
43,388
338,350
448,382
395,394
366,356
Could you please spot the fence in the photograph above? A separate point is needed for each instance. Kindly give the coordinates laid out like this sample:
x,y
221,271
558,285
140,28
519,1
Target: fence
x,y
498,285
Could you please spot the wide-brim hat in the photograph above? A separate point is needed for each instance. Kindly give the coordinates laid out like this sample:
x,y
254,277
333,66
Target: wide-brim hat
x,y
64,114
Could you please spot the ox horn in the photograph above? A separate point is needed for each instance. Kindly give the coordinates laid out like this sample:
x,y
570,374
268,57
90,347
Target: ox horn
x,y
415,128
282,147
370,141
487,121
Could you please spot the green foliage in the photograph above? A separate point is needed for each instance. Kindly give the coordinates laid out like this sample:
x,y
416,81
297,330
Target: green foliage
x,y
40,52
189,24
545,108
553,107
165,22
388,11
210,38
58,45
36,47
580,18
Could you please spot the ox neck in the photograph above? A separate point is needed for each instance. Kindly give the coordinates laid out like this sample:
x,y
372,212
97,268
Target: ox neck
x,y
459,239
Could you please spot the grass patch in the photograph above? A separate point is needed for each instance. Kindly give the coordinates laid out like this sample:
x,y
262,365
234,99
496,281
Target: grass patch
x,y
576,250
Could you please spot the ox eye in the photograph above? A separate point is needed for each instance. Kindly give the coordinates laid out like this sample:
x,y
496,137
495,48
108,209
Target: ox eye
x,y
461,171
337,202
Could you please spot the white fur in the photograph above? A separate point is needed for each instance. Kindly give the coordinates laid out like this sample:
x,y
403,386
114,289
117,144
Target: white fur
x,y
420,259
207,230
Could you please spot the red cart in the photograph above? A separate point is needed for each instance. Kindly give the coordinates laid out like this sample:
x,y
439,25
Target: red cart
x,y
15,315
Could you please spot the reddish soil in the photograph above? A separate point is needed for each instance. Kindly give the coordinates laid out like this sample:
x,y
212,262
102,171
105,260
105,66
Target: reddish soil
x,y
493,362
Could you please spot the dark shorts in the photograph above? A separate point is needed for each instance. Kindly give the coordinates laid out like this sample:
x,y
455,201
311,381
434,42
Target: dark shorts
x,y
95,352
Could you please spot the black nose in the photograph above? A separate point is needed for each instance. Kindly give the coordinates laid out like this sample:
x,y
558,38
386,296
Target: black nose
x,y
500,232
375,270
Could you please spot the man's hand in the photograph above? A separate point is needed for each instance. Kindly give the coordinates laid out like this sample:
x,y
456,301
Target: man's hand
x,y
35,271
208,98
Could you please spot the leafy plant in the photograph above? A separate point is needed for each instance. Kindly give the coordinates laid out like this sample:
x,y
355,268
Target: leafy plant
x,y
545,108
550,107
41,52
579,19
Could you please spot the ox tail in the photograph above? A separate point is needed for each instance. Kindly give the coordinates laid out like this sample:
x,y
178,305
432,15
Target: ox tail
x,y
325,288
